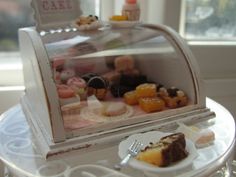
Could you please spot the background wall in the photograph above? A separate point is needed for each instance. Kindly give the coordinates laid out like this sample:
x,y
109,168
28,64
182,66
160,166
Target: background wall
x,y
217,62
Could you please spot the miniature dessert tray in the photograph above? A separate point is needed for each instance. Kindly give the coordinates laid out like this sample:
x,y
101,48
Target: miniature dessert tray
x,y
85,81
109,80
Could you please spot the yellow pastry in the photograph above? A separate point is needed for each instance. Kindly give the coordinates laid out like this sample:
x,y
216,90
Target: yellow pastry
x,y
119,18
151,104
131,98
146,90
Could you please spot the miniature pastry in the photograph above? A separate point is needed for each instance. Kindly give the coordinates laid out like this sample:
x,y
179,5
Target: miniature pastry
x,y
146,90
132,80
131,9
115,109
72,108
98,86
176,98
66,74
88,76
166,151
131,98
66,94
124,63
112,76
90,22
206,137
86,20
201,137
161,90
78,85
94,105
64,91
119,18
118,90
151,104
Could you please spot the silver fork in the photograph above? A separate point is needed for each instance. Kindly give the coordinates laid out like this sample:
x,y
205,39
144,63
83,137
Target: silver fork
x,y
132,151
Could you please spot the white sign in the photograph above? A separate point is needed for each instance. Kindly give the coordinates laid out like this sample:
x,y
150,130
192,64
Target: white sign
x,y
54,14
54,6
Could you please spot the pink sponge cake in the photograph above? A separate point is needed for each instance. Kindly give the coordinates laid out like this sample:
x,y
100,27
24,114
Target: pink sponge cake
x,y
78,85
66,94
65,91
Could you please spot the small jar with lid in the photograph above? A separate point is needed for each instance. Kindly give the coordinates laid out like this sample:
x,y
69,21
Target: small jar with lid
x,y
131,9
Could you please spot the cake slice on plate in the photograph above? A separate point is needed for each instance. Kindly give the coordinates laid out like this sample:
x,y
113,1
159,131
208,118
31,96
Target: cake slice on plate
x,y
167,150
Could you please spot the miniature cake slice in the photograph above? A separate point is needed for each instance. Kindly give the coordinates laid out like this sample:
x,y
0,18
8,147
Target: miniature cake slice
x,y
168,150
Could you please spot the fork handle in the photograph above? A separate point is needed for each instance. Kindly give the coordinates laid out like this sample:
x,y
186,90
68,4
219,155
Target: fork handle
x,y
123,162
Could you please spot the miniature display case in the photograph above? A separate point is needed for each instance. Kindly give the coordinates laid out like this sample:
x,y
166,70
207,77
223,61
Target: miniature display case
x,y
92,87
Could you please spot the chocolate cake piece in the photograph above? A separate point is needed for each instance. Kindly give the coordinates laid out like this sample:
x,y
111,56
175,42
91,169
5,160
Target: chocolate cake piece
x,y
119,90
97,86
88,76
177,145
168,150
132,80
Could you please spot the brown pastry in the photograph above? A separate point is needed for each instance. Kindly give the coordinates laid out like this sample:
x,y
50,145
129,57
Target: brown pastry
x,y
175,98
124,63
97,86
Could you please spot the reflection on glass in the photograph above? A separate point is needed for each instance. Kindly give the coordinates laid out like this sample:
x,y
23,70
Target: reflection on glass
x,y
210,19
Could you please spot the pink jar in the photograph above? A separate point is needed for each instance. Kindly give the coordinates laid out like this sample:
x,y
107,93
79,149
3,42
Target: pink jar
x,y
131,9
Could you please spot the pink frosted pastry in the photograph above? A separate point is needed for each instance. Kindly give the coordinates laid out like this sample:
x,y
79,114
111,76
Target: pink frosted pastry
x,y
78,85
65,91
112,76
201,137
206,137
124,63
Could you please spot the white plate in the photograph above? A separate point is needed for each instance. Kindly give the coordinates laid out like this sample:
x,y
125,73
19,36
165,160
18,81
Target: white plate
x,y
123,24
97,116
154,136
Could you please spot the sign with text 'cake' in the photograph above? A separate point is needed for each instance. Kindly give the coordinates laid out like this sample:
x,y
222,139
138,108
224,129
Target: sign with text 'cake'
x,y
54,14
52,6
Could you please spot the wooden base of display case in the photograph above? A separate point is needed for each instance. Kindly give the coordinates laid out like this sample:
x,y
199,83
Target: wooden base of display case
x,y
107,134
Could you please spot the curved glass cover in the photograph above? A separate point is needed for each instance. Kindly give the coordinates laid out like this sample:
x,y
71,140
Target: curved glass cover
x,y
118,75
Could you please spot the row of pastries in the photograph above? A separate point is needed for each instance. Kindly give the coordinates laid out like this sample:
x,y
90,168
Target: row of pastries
x,y
123,83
